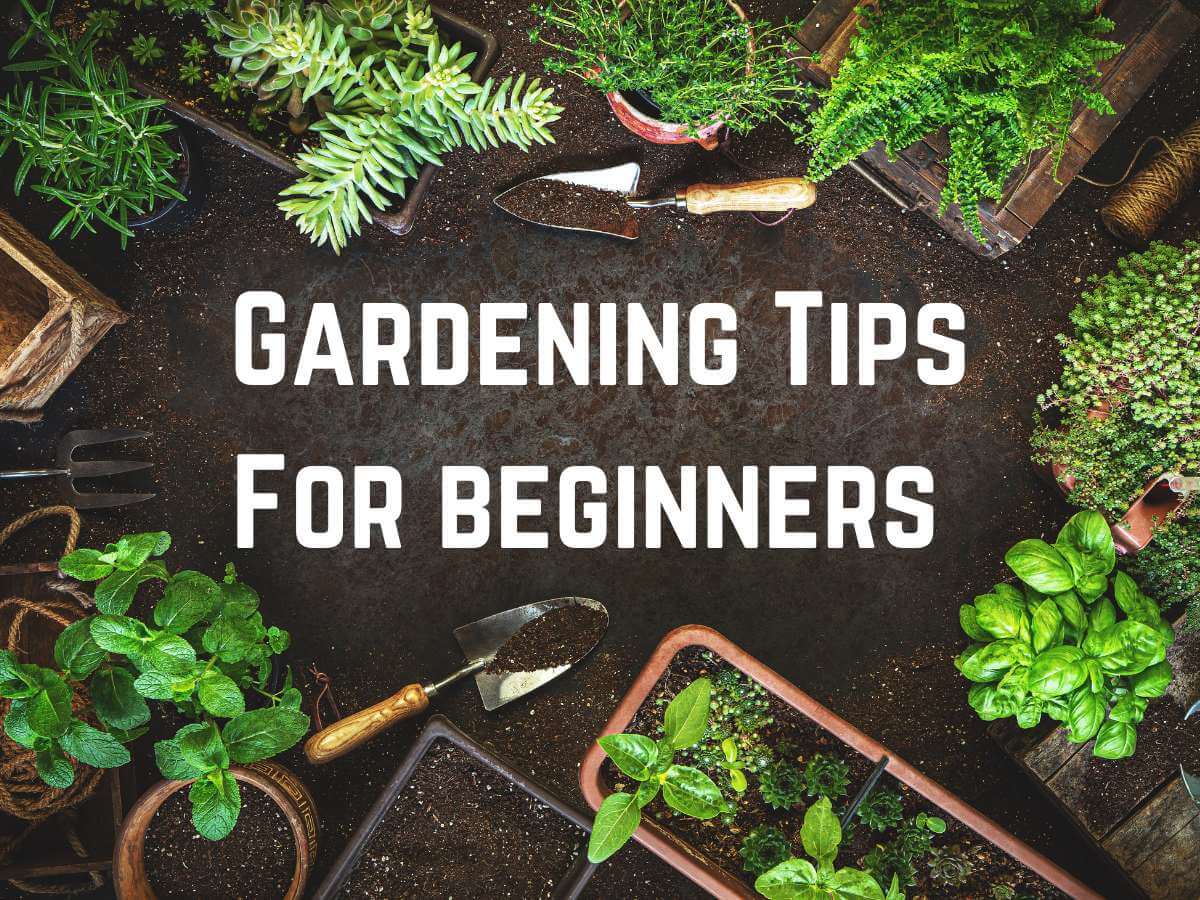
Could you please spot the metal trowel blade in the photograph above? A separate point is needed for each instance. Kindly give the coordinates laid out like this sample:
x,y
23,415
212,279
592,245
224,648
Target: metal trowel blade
x,y
621,180
484,638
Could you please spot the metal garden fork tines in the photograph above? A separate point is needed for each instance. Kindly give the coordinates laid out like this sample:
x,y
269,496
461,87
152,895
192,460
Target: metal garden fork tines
x,y
67,469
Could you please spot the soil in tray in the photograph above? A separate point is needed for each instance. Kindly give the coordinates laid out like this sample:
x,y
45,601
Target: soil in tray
x,y
255,862
555,638
459,829
787,734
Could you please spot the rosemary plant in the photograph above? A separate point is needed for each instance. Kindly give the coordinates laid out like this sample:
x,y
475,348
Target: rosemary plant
x,y
692,56
85,136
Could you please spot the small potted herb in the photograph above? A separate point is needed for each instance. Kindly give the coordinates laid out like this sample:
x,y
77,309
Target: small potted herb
x,y
89,140
202,651
676,72
1121,414
750,787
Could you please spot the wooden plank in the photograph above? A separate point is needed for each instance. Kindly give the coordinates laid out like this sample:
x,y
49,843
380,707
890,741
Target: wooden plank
x,y
1173,873
1144,833
822,21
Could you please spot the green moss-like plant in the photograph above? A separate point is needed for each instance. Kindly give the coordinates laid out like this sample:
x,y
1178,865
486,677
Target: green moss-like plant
x,y
1003,76
882,809
764,848
826,776
782,785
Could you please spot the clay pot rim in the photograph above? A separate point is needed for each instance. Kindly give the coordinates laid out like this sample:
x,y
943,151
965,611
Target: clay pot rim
x,y
690,862
129,866
643,124
438,727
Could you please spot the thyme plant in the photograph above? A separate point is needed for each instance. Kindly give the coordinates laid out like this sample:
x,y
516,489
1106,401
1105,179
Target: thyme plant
x,y
692,56
1003,76
86,138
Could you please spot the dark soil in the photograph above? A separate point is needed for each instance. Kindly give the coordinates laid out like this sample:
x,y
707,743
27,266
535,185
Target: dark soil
x,y
551,202
255,862
556,638
459,829
800,739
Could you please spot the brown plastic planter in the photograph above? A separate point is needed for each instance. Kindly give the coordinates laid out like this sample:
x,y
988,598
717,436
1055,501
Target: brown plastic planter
x,y
399,221
278,783
713,878
440,728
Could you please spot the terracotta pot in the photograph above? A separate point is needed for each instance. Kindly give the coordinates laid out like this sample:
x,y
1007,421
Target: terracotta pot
x,y
659,132
708,874
278,783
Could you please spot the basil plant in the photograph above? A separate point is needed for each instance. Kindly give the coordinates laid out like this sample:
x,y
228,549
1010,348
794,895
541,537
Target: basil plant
x,y
1075,641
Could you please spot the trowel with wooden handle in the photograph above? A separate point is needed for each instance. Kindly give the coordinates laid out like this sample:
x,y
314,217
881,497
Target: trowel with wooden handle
x,y
480,642
769,195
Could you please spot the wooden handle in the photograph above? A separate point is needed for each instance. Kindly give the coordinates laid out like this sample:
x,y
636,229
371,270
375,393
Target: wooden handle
x,y
358,728
771,195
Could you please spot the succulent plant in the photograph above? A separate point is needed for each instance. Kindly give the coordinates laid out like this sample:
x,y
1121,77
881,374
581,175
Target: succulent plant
x,y
383,24
103,21
139,5
950,866
781,785
882,809
145,50
226,88
826,776
190,73
1003,892
913,840
764,848
194,50
886,861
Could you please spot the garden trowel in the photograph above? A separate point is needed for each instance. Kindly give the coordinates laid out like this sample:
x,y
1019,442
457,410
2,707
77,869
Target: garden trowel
x,y
480,642
602,200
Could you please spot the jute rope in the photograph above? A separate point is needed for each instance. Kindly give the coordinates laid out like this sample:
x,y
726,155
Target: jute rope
x,y
16,397
22,792
1135,212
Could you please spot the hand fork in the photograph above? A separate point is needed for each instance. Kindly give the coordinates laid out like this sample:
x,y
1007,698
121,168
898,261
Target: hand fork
x,y
67,469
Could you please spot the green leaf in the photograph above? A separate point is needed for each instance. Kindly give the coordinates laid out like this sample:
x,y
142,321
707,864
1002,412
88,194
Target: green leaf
x,y
1040,566
1085,716
84,565
821,833
1072,611
968,620
633,754
170,758
647,791
278,639
1029,713
999,615
788,881
691,792
737,780
1046,625
93,747
1133,602
1102,615
1115,740
55,769
1126,648
116,700
1088,532
216,802
168,654
189,597
1130,709
220,695
262,733
203,749
687,714
76,652
17,679
853,884
991,661
1152,681
1057,671
134,549
49,710
230,638
160,686
114,595
16,724
118,634
616,821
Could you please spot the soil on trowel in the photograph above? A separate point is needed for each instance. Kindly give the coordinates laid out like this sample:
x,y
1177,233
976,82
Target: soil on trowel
x,y
255,862
548,201
555,638
458,829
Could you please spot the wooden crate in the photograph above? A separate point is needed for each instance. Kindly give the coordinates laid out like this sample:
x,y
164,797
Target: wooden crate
x,y
1136,810
44,856
50,319
1151,30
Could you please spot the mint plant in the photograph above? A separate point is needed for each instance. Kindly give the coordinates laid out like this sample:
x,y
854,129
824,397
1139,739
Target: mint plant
x,y
816,876
1059,646
203,647
652,765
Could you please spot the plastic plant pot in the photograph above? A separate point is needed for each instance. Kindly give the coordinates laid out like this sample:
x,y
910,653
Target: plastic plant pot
x,y
161,214
707,874
657,131
283,787
440,728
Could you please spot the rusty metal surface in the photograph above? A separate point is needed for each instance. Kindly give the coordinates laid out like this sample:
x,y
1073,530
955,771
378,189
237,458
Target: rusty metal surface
x,y
869,633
